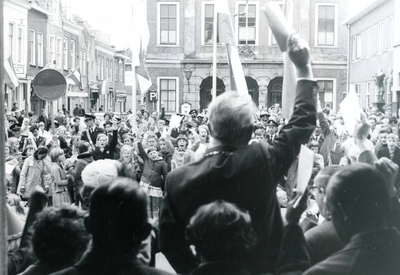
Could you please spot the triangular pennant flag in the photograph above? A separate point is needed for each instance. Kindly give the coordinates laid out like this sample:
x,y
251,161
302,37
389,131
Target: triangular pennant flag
x,y
10,77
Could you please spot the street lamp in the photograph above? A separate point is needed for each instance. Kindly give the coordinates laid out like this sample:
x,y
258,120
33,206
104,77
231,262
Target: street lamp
x,y
188,74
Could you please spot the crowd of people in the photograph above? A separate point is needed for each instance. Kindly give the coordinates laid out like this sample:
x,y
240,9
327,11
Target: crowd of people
x,y
103,195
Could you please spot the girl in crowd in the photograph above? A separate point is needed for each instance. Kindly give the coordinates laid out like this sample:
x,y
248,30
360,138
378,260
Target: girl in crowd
x,y
181,155
60,180
12,169
154,173
25,128
105,149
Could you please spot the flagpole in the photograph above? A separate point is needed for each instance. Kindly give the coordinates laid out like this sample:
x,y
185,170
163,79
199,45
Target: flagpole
x,y
3,193
134,99
214,76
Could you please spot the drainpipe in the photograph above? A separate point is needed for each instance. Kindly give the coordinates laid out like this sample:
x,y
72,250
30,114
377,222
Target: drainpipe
x,y
348,59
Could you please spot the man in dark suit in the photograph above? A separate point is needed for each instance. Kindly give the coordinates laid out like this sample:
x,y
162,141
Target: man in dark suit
x,y
362,201
391,151
37,140
272,128
91,132
43,118
238,172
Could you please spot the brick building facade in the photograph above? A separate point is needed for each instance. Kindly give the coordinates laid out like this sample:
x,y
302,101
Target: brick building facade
x,y
372,36
180,40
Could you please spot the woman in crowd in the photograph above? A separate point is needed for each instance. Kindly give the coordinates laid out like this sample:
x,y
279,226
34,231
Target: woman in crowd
x,y
12,169
14,149
35,171
60,181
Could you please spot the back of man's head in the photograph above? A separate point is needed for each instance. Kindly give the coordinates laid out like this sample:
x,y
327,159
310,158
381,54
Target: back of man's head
x,y
358,200
220,231
118,216
231,118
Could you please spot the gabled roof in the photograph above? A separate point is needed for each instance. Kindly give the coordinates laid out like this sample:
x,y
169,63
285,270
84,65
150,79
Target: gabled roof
x,y
363,12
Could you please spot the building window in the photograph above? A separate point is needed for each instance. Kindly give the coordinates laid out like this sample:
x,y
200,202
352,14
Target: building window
x,y
20,45
58,52
65,54
56,15
110,74
326,25
168,23
121,71
380,37
368,95
107,64
40,49
102,68
52,47
73,53
168,90
359,47
368,46
11,37
272,40
391,34
84,62
247,24
80,60
208,25
326,93
116,69
31,46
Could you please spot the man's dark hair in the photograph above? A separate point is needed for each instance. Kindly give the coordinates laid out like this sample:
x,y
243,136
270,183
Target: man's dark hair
x,y
392,119
360,189
118,214
83,146
384,131
59,236
33,128
221,232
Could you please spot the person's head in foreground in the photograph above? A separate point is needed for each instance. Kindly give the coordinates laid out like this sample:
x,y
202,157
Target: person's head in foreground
x,y
357,200
59,236
231,118
118,217
221,232
318,190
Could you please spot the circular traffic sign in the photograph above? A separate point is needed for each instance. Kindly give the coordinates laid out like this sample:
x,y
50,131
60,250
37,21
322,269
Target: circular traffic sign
x,y
49,84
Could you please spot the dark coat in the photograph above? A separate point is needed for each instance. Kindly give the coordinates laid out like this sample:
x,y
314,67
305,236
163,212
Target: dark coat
x,y
109,150
82,161
384,152
154,172
247,177
330,138
97,264
371,252
219,268
93,135
40,141
322,242
45,120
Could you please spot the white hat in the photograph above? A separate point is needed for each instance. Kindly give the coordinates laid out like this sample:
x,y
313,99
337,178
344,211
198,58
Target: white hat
x,y
100,172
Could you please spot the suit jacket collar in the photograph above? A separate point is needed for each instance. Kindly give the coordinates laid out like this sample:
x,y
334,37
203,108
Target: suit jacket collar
x,y
226,148
379,237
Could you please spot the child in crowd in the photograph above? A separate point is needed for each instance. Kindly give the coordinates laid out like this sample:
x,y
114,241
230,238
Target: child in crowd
x,y
154,173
